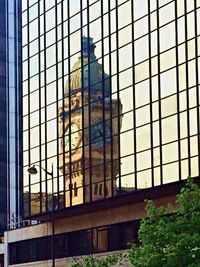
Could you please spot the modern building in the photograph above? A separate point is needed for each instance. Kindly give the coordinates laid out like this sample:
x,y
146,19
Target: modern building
x,y
13,93
10,111
111,100
10,117
3,133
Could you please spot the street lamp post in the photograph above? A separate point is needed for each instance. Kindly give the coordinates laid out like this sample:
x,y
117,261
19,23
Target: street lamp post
x,y
32,171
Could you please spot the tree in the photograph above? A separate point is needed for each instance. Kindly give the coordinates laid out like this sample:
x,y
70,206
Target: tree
x,y
91,261
170,237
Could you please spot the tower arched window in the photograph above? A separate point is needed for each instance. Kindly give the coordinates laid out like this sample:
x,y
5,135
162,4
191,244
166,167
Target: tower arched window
x,y
75,190
96,189
106,190
100,189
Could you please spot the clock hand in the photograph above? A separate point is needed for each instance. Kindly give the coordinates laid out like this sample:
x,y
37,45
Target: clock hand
x,y
101,134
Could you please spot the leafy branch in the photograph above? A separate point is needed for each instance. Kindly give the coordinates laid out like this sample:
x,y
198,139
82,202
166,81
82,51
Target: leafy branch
x,y
169,237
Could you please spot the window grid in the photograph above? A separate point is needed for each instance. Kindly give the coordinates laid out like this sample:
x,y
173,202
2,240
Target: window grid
x,y
140,85
71,244
197,77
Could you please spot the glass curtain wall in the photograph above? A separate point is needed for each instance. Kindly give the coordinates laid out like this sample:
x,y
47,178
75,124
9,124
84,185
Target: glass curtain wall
x,y
110,97
3,118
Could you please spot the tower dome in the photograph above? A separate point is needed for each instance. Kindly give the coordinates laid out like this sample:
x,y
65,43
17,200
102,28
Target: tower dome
x,y
93,73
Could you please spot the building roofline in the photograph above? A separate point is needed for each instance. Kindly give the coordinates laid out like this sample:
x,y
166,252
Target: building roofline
x,y
132,197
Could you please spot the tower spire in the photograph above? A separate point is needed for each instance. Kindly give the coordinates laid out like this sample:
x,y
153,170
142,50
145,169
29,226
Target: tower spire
x,y
88,47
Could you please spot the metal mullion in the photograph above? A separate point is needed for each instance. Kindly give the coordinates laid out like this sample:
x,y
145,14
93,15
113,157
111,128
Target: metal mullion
x,y
118,96
89,104
82,106
57,115
20,125
40,121
197,82
134,105
121,27
150,94
45,108
187,86
110,96
76,53
177,89
92,250
29,135
103,98
97,236
127,67
8,150
63,104
159,94
127,87
108,237
16,120
69,95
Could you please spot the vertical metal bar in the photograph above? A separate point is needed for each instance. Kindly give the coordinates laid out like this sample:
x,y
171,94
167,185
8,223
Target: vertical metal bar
x,y
8,130
97,236
133,77
159,95
39,75
103,100
177,89
63,104
57,115
92,241
110,97
150,93
69,88
45,105
20,111
187,87
29,135
89,100
83,104
16,130
118,96
53,222
197,80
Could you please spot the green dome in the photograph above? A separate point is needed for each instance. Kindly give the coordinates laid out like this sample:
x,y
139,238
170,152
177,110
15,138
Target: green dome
x,y
93,73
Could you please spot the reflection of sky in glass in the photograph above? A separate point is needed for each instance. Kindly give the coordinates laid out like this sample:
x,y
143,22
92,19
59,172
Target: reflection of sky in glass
x,y
168,82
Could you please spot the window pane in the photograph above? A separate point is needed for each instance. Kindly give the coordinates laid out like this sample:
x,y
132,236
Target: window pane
x,y
167,36
169,129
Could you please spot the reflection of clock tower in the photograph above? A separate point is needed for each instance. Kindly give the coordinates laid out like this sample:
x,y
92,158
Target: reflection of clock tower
x,y
89,132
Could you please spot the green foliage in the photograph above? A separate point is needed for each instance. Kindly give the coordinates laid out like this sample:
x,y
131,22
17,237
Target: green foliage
x,y
171,240
91,261
169,237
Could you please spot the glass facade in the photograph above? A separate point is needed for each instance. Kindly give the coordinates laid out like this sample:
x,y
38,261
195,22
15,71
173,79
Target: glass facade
x,y
13,111
3,148
10,112
110,98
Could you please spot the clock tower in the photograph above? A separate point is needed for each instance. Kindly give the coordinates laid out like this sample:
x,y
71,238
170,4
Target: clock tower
x,y
89,126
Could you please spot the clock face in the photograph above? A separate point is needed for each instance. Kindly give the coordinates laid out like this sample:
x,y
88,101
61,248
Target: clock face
x,y
100,134
75,138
